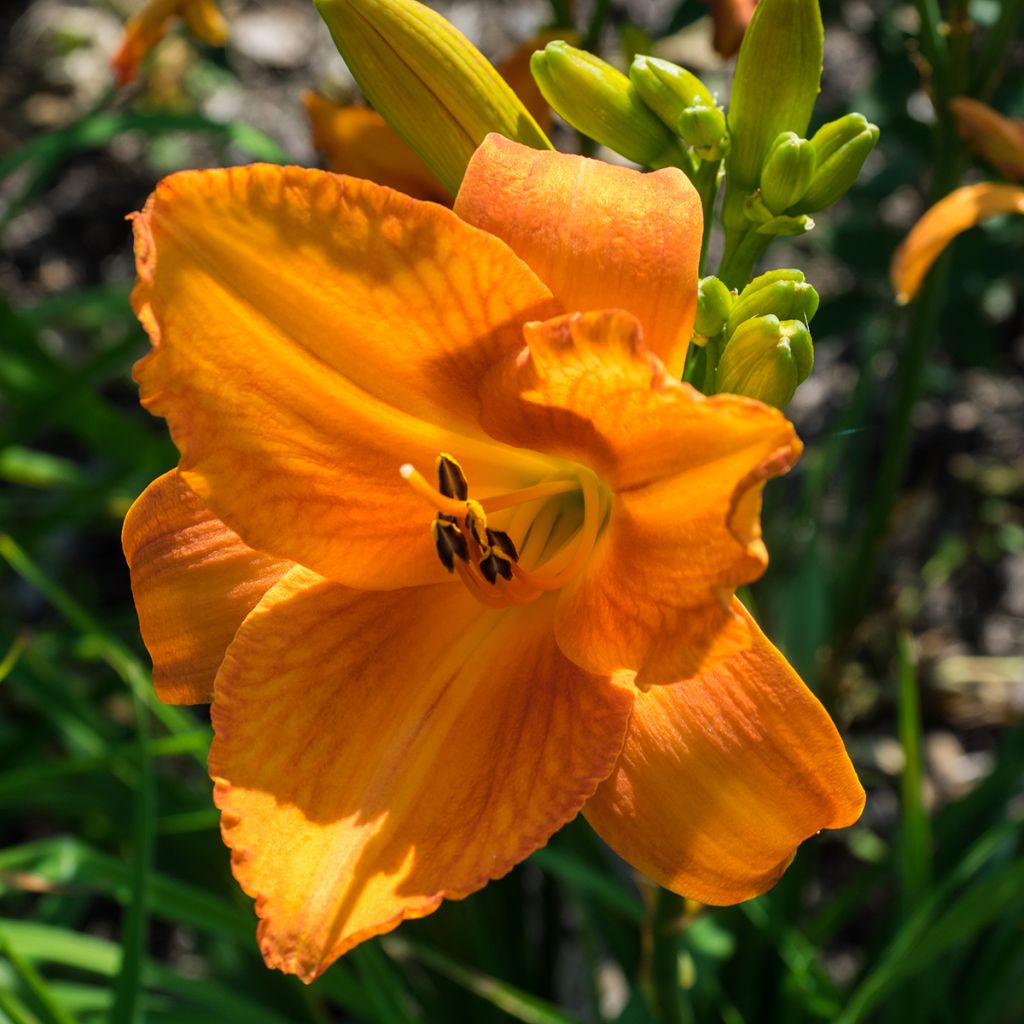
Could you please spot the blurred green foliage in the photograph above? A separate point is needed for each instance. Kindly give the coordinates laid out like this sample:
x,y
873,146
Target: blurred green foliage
x,y
116,901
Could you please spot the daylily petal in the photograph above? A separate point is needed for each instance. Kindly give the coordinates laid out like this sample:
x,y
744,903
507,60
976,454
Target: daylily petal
x,y
194,581
949,217
730,19
723,776
377,752
999,140
145,29
360,142
686,474
599,236
310,334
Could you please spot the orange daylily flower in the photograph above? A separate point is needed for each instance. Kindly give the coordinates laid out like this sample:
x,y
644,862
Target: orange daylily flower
x,y
949,217
359,142
416,682
729,19
998,139
145,29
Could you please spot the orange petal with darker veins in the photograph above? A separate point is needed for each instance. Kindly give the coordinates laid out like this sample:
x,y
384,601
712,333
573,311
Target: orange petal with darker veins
x,y
194,581
723,776
312,333
599,236
378,752
685,474
949,217
360,142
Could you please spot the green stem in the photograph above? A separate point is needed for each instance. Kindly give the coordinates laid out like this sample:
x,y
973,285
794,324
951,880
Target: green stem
x,y
561,12
706,182
933,43
738,263
921,336
593,35
992,59
665,993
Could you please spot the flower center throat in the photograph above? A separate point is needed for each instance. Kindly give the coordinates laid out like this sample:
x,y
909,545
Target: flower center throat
x,y
488,560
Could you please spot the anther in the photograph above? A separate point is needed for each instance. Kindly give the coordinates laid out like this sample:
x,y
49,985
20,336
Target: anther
x,y
451,481
449,541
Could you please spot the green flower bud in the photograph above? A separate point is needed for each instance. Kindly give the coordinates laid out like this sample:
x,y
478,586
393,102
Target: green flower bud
x,y
705,129
766,359
778,72
782,293
786,226
840,147
428,81
602,102
714,302
667,88
787,172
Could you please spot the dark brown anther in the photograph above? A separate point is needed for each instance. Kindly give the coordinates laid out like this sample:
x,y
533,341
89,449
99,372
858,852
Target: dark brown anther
x,y
493,566
451,481
503,542
449,541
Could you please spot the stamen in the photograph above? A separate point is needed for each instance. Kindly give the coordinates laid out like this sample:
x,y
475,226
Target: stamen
x,y
556,572
448,503
419,483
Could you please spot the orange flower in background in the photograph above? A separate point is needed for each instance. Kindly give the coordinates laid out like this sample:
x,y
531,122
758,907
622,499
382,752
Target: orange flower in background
x,y
949,217
358,141
450,547
997,139
730,19
145,29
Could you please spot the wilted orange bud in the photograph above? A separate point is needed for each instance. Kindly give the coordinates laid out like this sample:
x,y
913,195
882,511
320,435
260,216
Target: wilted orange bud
x,y
358,141
949,217
997,139
145,29
730,18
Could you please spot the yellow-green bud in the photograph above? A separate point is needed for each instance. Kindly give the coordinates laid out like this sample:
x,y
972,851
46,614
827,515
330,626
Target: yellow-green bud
x,y
778,73
840,147
787,172
714,302
705,129
766,359
667,88
785,294
428,81
602,102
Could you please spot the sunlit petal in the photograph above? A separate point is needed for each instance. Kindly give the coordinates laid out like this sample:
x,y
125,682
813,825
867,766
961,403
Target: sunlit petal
x,y
194,581
312,333
599,236
948,218
723,776
377,752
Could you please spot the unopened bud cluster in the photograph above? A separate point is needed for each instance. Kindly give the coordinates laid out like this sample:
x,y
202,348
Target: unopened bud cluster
x,y
762,334
801,176
658,115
